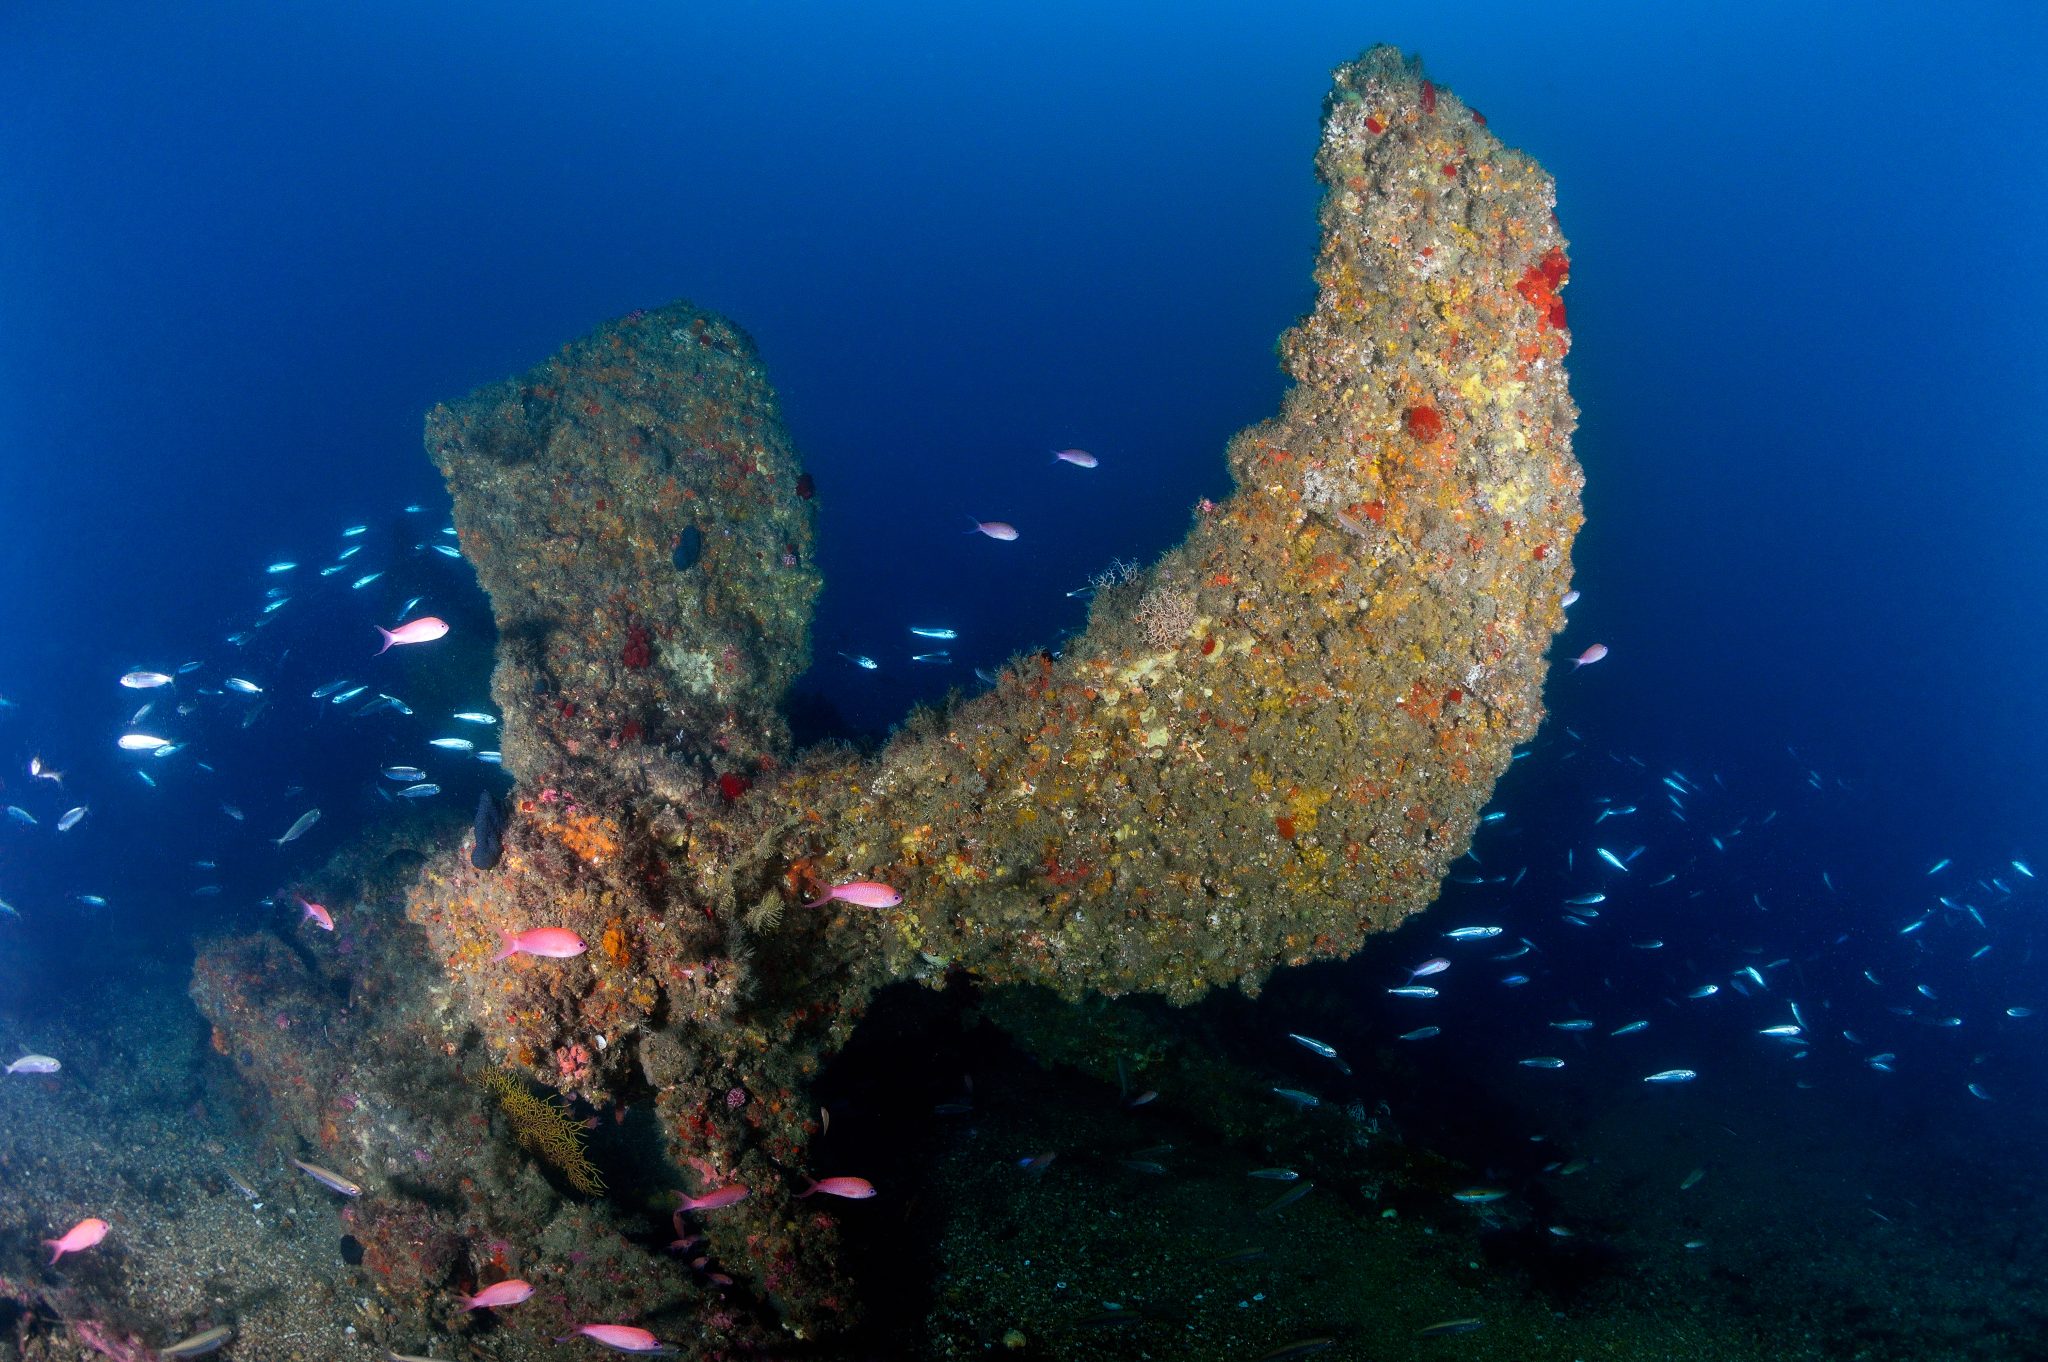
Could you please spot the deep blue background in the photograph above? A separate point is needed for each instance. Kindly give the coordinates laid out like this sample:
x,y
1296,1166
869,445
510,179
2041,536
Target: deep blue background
x,y
244,246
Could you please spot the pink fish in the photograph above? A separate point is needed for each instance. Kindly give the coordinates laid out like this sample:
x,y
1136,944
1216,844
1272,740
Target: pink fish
x,y
1080,458
732,1194
620,1338
994,529
1590,656
861,894
1429,967
853,1189
556,943
319,915
83,1235
511,1291
425,629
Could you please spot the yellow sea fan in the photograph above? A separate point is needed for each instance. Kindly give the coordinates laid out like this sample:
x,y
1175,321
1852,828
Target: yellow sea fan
x,y
546,1128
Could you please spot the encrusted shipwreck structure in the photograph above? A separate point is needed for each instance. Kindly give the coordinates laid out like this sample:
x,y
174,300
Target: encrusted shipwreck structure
x,y
1265,747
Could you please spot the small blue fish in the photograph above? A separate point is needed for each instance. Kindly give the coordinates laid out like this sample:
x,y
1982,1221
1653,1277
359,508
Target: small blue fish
x,y
1672,1076
1472,933
1542,1062
1604,854
453,744
1310,1043
943,635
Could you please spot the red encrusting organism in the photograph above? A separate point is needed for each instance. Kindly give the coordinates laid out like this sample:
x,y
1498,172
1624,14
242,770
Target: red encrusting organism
x,y
732,786
1541,281
1285,827
1428,97
1424,423
638,653
806,486
1373,124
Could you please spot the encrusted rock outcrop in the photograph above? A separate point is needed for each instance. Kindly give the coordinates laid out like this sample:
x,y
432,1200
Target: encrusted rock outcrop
x,y
1266,746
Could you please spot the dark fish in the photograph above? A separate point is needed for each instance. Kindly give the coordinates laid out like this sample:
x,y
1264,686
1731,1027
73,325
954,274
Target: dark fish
x,y
490,834
1300,1348
1450,1326
1288,1198
689,548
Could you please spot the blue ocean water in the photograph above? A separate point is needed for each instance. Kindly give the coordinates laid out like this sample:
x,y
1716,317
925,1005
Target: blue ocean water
x,y
245,247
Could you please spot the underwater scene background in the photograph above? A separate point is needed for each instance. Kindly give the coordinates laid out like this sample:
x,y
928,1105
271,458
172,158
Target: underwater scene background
x,y
955,682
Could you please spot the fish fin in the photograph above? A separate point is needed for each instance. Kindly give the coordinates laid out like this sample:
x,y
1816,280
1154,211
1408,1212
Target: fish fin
x,y
509,949
810,1189
389,639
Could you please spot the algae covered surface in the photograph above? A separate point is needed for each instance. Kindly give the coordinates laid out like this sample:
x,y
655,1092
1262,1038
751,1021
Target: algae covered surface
x,y
1264,748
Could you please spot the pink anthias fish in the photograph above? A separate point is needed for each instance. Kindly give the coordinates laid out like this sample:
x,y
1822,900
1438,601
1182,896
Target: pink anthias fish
x,y
83,1235
425,629
853,1189
1590,656
1080,458
511,1291
994,529
319,915
861,894
34,1064
718,1198
1569,599
556,943
620,1338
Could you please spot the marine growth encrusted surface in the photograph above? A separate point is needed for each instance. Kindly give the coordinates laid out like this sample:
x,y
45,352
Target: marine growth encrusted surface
x,y
1266,746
